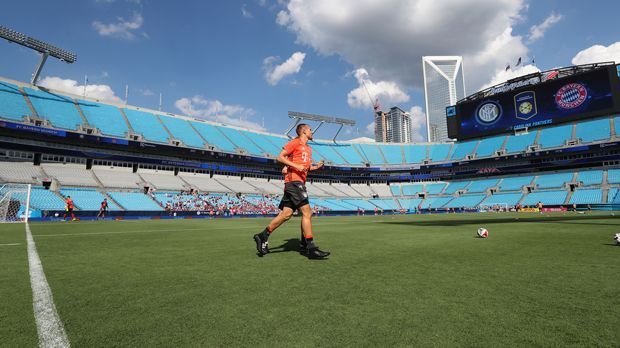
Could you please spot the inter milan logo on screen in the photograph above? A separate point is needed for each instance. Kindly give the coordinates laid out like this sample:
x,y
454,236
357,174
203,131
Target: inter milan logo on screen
x,y
525,105
571,96
488,112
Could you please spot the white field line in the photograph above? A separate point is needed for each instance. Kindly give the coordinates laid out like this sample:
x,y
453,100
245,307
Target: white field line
x,y
50,328
166,230
7,244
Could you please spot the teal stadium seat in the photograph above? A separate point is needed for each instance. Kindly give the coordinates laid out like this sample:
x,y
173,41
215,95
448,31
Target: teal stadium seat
x,y
13,105
613,176
241,141
556,197
263,141
410,204
510,199
519,143
465,201
371,152
414,153
455,186
87,199
147,124
613,196
434,189
135,201
617,126
515,183
438,152
489,146
555,136
435,202
553,180
594,130
182,130
107,118
392,153
590,177
213,136
460,150
587,196
478,186
412,189
59,110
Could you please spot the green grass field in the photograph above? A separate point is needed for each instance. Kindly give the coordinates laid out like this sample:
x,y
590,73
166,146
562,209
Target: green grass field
x,y
542,280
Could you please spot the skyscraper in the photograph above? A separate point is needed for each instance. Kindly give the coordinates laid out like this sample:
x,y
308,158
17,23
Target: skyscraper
x,y
393,126
444,85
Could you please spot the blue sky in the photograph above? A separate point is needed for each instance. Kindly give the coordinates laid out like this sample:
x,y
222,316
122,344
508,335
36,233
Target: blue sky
x,y
249,62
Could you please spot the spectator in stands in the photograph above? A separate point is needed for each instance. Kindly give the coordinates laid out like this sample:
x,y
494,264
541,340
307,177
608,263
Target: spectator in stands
x,y
103,209
539,205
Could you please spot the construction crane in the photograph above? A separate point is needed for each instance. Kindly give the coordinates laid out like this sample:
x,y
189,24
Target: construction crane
x,y
376,110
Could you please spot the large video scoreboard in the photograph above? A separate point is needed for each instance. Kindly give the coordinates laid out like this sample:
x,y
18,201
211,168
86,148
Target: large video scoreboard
x,y
530,103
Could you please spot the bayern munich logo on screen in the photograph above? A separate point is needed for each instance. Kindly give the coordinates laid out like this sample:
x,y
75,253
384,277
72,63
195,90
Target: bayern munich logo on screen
x,y
571,96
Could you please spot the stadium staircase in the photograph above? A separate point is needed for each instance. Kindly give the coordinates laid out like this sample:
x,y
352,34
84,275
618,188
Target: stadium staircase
x,y
129,127
81,113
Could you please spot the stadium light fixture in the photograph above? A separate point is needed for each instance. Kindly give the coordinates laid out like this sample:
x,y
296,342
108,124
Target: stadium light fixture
x,y
299,116
42,47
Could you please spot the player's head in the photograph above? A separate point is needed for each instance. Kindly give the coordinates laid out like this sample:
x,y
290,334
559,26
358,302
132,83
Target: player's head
x,y
68,197
304,129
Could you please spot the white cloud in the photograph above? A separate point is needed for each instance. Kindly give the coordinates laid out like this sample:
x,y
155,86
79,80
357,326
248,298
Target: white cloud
x,y
245,12
538,31
502,75
392,50
387,92
282,18
275,73
102,92
123,28
146,92
418,124
214,110
597,54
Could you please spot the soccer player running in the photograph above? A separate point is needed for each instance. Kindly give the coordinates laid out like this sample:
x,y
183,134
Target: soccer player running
x,y
103,209
69,208
297,157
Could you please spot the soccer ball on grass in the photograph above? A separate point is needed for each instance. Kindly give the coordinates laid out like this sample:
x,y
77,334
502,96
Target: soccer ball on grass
x,y
617,239
482,232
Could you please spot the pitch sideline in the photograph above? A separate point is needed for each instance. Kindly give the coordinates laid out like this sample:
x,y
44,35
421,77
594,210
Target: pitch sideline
x,y
49,326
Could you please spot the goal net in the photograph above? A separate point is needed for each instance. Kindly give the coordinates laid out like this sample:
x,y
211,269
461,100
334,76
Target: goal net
x,y
14,202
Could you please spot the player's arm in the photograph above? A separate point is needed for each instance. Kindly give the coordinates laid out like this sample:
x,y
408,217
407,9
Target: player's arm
x,y
283,158
317,166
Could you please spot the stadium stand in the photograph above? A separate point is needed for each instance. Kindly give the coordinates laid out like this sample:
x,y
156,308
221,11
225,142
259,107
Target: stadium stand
x,y
329,153
460,150
41,199
489,146
617,126
117,177
241,141
410,204
235,184
381,190
362,189
435,202
70,174
20,172
146,124
265,142
213,136
587,196
136,201
183,131
595,130
59,110
13,106
553,180
613,176
613,196
414,153
162,179
203,182
555,136
515,183
456,186
554,197
392,153
520,143
439,152
411,190
465,201
510,199
266,186
87,199
478,186
386,204
590,177
371,152
107,118
435,189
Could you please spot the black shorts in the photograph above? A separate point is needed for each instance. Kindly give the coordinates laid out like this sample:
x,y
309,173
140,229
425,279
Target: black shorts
x,y
295,195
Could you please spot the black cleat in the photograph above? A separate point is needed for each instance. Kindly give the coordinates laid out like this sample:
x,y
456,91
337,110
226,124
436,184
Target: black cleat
x,y
262,245
303,246
316,253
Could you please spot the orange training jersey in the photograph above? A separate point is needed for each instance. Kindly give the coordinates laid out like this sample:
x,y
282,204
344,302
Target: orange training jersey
x,y
69,202
298,153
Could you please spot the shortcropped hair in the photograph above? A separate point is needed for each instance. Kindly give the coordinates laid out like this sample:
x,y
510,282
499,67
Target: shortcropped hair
x,y
300,127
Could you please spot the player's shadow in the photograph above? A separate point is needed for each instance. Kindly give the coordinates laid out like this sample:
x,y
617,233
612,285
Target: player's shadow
x,y
288,245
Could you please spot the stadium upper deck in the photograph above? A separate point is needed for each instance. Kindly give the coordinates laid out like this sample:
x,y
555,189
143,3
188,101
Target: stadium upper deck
x,y
31,111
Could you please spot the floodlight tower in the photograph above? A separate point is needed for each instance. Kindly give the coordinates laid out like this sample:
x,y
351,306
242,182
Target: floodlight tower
x,y
44,48
300,116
